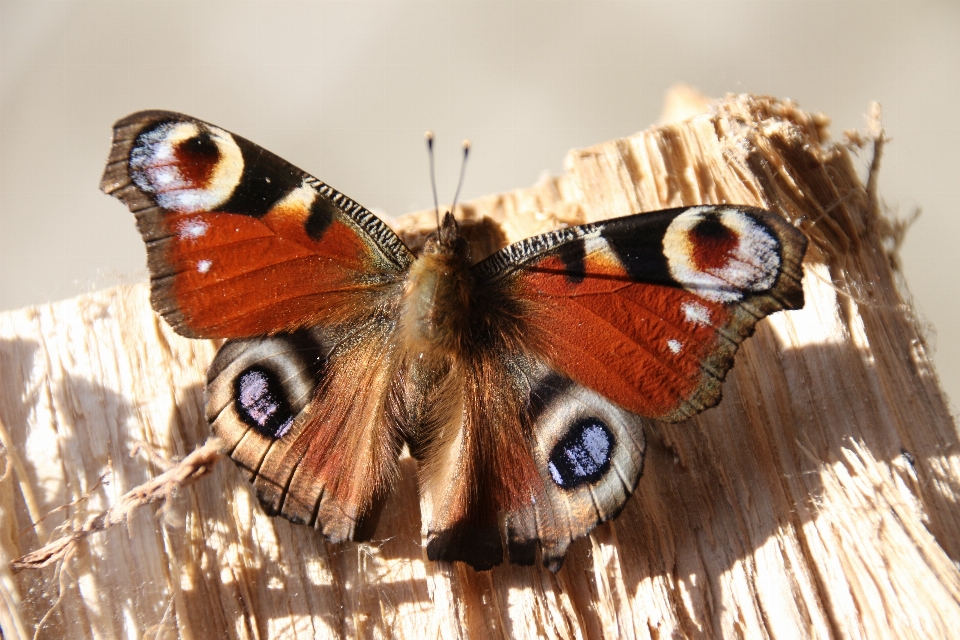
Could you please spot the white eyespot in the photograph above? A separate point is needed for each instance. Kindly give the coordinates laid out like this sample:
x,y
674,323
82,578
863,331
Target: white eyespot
x,y
696,313
720,252
187,166
192,228
674,345
204,265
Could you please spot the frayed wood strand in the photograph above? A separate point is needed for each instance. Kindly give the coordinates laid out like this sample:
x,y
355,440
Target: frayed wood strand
x,y
186,472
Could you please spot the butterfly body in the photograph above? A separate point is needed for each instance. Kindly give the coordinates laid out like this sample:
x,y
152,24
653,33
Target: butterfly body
x,y
520,383
439,297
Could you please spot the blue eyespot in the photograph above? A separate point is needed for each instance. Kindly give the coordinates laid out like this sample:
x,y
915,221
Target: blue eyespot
x,y
261,403
583,455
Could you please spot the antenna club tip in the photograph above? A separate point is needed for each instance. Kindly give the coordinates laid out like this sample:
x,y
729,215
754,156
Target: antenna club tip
x,y
466,144
428,135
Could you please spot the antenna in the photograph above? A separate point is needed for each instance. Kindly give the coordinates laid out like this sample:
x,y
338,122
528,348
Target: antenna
x,y
463,170
433,178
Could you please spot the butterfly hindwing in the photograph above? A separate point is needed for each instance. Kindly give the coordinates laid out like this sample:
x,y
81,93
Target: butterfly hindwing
x,y
239,241
589,455
301,413
571,456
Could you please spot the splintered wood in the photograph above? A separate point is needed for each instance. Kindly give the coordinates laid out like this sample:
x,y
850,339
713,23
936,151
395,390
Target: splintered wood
x,y
819,499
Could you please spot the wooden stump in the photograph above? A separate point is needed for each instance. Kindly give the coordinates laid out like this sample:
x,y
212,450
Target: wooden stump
x,y
818,499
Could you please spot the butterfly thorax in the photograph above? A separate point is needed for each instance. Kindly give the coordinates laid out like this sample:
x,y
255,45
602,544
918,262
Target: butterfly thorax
x,y
438,293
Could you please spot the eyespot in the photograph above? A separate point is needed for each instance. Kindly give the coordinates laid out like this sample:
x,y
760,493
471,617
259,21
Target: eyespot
x,y
261,403
186,166
720,252
260,386
583,455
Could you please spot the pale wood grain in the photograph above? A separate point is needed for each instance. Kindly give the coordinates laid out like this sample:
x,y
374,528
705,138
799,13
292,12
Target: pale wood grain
x,y
819,499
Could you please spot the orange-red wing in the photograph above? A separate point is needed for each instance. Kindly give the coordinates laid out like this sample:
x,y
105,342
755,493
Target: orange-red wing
x,y
648,310
239,242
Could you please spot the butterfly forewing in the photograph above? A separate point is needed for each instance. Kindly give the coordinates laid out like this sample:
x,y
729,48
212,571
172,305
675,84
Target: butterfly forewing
x,y
648,310
240,242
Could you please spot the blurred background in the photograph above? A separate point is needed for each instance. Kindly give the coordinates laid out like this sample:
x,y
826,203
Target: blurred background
x,y
345,91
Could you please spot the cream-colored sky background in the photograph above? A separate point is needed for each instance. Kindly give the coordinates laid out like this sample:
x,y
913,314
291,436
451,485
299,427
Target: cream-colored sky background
x,y
345,90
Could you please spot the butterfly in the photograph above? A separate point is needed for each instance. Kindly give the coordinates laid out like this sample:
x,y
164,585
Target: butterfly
x,y
520,383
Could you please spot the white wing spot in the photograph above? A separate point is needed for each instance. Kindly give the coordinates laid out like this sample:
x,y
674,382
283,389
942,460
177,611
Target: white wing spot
x,y
192,229
204,265
675,345
596,443
696,313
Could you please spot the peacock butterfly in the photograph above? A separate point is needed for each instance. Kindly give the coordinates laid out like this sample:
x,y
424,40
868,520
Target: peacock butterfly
x,y
520,383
